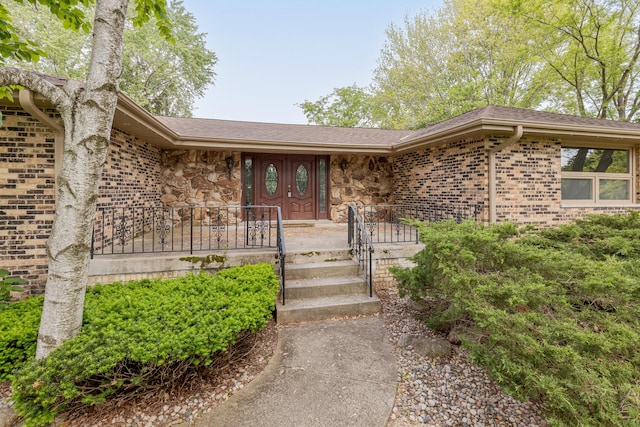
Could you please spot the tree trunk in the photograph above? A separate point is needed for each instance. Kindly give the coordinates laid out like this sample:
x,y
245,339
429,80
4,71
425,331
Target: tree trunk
x,y
87,132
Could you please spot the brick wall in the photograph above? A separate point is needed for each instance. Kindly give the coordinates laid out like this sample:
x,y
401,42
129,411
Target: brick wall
x,y
528,180
27,196
528,176
27,199
131,174
131,179
451,174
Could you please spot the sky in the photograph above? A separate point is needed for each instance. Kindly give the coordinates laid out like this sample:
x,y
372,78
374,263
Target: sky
x,y
275,54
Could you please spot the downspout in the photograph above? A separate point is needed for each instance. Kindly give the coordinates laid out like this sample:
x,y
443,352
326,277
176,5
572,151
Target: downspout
x,y
25,97
517,134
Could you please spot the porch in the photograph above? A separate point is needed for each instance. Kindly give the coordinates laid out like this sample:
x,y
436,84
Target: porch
x,y
326,269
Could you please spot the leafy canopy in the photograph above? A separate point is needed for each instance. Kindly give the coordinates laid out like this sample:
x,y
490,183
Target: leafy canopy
x,y
571,56
164,76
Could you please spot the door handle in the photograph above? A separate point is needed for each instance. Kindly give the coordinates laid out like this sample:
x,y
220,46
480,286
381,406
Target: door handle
x,y
288,191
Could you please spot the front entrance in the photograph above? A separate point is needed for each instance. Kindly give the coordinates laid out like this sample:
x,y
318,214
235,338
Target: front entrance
x,y
297,183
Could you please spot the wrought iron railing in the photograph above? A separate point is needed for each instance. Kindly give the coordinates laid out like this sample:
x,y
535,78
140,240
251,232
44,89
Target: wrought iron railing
x,y
384,223
361,246
190,229
282,254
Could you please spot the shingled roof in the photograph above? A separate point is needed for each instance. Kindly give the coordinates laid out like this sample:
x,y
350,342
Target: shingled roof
x,y
172,132
229,130
540,122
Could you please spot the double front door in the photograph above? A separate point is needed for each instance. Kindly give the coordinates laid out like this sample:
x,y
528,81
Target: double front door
x,y
296,183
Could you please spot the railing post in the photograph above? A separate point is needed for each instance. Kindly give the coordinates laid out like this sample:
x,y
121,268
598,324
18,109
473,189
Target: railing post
x,y
350,226
191,233
370,272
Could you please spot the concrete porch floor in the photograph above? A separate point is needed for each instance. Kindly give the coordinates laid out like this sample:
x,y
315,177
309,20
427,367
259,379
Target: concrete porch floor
x,y
303,239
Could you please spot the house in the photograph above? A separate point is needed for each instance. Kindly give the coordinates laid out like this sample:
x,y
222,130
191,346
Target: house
x,y
508,164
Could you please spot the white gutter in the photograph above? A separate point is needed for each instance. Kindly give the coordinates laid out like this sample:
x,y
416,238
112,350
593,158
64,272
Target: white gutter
x,y
517,134
25,97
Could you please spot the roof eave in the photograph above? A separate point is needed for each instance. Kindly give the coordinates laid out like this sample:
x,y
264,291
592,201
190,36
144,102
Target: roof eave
x,y
292,147
502,126
135,117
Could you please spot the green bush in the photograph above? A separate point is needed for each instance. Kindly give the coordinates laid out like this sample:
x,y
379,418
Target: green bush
x,y
19,322
145,332
554,315
8,285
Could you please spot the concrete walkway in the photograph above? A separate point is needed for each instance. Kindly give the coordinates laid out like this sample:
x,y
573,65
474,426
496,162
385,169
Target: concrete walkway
x,y
328,373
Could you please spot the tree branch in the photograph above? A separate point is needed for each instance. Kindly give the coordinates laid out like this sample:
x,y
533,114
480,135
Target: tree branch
x,y
37,83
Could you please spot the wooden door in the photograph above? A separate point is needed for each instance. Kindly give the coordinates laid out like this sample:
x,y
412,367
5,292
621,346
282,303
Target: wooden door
x,y
269,180
287,181
301,187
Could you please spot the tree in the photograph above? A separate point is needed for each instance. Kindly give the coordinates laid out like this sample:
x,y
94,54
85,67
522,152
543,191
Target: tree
x,y
163,77
593,46
86,109
349,106
439,65
463,57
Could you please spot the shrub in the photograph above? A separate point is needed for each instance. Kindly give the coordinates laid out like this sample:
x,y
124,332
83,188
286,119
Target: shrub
x,y
8,285
19,323
554,315
144,333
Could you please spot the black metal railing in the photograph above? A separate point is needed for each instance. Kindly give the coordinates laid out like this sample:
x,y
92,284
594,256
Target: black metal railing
x,y
385,224
190,229
282,254
361,246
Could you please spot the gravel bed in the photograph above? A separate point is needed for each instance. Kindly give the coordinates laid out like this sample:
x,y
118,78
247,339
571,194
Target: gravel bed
x,y
182,404
443,391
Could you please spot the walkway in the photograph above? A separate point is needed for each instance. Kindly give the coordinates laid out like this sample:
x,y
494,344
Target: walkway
x,y
328,373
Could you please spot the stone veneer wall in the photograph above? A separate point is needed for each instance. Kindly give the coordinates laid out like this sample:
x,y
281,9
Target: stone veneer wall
x,y
27,195
200,178
366,180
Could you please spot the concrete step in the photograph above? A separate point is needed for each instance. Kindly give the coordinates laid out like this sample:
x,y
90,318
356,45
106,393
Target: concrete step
x,y
305,310
308,257
322,270
325,287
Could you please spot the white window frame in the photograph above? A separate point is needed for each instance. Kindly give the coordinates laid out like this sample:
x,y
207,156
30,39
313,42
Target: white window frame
x,y
595,178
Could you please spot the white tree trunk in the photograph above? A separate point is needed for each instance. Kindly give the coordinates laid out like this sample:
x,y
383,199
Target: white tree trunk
x,y
87,111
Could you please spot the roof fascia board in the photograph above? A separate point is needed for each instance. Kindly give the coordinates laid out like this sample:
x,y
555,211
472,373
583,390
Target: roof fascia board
x,y
131,109
498,126
451,134
278,146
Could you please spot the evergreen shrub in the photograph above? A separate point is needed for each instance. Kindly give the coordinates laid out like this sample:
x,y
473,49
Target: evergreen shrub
x,y
145,333
554,314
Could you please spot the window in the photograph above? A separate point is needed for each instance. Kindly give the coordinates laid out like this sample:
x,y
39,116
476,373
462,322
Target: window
x,y
596,175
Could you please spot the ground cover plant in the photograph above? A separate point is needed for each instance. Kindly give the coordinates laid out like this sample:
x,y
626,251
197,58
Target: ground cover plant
x,y
553,314
136,336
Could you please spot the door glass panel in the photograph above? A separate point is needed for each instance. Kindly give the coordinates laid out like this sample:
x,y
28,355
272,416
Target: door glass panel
x,y
271,179
323,185
302,179
248,181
